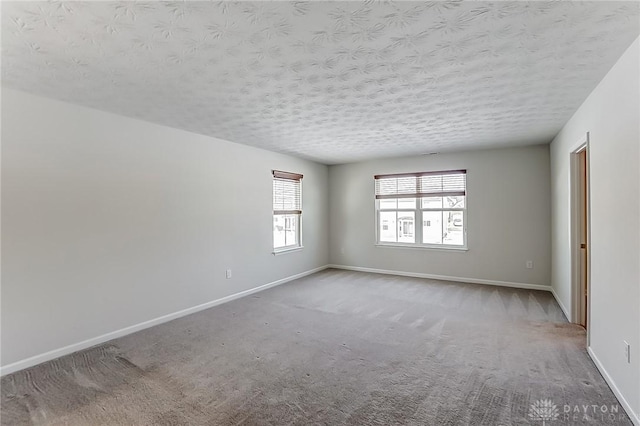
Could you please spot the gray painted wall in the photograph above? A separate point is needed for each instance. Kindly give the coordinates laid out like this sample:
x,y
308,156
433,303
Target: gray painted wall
x,y
109,221
508,216
611,115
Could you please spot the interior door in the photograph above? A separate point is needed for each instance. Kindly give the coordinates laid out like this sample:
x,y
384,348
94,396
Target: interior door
x,y
584,228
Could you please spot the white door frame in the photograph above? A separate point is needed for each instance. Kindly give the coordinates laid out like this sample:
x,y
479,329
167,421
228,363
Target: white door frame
x,y
577,292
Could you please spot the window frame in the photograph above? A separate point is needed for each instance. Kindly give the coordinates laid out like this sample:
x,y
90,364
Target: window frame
x,y
418,211
278,175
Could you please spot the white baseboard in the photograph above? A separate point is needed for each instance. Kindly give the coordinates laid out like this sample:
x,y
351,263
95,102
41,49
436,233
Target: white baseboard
x,y
632,415
564,308
444,277
57,353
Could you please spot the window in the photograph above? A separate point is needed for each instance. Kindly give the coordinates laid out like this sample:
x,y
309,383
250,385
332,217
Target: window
x,y
287,210
425,209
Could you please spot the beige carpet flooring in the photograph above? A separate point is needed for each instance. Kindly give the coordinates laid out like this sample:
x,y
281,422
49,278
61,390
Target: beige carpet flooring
x,y
333,348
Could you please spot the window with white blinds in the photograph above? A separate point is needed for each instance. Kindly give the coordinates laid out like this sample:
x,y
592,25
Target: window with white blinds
x,y
287,210
423,209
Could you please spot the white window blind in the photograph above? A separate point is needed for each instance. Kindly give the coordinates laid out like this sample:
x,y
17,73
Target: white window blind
x,y
286,193
427,184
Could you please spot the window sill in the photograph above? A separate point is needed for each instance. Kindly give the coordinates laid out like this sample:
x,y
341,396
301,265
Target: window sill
x,y
424,247
286,250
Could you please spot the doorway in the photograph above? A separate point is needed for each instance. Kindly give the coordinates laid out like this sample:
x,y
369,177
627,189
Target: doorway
x,y
580,235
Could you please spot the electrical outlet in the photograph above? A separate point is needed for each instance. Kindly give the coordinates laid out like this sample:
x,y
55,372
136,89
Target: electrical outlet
x,y
627,352
529,264
228,273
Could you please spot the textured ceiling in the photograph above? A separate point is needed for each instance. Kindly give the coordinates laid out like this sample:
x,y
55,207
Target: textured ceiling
x,y
330,81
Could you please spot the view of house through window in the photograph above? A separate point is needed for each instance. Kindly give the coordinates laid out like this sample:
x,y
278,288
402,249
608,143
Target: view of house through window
x,y
287,210
423,209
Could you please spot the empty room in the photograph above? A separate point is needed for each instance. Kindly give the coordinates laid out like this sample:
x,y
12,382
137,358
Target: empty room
x,y
320,213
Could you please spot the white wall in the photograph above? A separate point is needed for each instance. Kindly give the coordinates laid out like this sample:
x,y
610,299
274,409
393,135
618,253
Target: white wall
x,y
109,221
508,216
611,116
